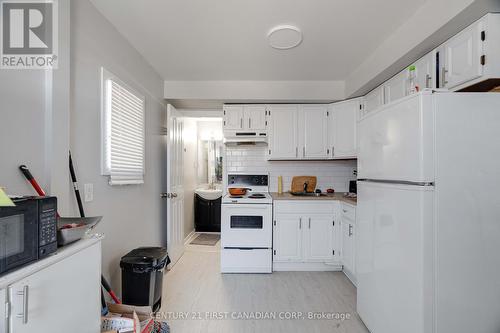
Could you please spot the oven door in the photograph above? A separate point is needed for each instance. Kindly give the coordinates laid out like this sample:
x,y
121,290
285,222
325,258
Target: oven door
x,y
246,226
18,235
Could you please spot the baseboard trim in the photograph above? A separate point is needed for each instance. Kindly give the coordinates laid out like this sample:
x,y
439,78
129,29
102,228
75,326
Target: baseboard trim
x,y
306,266
189,237
351,278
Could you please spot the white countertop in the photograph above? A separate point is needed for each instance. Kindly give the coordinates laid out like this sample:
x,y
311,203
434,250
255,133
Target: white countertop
x,y
62,253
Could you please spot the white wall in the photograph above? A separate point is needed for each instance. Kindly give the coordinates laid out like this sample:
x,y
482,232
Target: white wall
x,y
132,214
32,104
331,174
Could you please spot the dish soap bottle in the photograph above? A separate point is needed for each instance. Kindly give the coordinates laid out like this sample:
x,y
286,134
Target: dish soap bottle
x,y
412,87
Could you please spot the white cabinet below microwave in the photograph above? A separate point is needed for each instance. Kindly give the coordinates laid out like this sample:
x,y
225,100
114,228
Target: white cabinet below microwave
x,y
37,295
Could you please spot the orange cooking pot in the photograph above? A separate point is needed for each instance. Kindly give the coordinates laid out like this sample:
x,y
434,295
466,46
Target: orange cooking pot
x,y
237,190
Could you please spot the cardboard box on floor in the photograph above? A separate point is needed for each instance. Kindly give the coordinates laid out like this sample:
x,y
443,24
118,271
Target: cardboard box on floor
x,y
136,319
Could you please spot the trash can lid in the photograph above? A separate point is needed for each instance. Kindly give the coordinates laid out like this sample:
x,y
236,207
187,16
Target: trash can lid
x,y
145,259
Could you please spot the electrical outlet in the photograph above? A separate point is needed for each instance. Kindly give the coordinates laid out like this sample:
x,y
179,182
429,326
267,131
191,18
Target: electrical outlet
x,y
88,190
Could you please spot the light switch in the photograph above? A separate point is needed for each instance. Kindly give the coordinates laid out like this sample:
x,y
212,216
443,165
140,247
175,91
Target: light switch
x,y
88,190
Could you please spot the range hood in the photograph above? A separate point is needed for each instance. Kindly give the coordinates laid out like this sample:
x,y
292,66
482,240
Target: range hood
x,y
233,138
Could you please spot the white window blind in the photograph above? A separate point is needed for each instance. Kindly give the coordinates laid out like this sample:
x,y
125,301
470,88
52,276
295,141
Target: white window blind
x,y
124,126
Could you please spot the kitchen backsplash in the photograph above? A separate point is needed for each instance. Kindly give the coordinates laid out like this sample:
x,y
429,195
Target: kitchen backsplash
x,y
336,174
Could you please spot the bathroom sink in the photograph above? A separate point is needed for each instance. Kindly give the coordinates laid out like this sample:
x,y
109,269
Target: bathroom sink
x,y
208,194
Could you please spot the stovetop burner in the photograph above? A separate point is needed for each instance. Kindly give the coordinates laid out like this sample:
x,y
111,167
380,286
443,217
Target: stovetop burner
x,y
257,196
236,196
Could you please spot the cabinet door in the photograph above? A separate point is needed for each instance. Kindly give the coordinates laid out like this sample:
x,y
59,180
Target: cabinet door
x,y
463,57
395,88
374,99
3,318
283,139
233,117
287,238
255,117
61,296
424,70
319,238
313,132
202,214
348,245
343,129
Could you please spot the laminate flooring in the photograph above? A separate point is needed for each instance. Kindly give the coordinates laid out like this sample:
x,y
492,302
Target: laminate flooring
x,y
198,298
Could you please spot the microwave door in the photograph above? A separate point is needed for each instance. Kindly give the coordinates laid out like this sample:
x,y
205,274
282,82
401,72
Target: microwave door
x,y
18,238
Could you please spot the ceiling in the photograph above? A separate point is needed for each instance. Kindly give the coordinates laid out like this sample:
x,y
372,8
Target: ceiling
x,y
195,40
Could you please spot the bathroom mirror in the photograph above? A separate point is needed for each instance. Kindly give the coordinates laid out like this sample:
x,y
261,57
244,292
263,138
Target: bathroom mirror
x,y
210,162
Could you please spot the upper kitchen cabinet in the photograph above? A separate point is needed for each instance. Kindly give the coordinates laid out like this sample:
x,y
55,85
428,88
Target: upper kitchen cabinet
x,y
283,135
425,71
396,87
373,100
313,132
468,60
254,117
462,57
233,117
298,132
342,128
244,117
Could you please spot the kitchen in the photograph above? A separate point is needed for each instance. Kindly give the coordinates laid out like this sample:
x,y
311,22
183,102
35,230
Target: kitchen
x,y
298,180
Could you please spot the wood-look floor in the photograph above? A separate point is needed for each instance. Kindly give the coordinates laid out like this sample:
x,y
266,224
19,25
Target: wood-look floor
x,y
194,287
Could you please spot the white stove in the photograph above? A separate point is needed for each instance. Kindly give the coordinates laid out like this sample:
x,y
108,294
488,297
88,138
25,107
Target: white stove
x,y
246,226
249,198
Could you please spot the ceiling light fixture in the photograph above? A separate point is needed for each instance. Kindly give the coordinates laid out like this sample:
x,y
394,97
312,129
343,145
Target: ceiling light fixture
x,y
284,37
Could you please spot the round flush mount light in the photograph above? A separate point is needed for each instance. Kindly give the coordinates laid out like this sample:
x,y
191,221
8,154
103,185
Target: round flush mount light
x,y
284,37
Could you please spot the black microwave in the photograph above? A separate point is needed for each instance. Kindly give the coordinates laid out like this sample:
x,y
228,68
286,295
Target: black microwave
x,y
28,231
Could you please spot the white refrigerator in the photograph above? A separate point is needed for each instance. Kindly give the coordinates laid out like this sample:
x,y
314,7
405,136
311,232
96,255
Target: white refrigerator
x,y
428,215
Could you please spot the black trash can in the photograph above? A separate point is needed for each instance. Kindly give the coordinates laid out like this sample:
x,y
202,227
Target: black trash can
x,y
142,276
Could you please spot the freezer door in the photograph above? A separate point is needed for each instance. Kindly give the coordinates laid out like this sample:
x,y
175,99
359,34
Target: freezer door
x,y
394,257
396,141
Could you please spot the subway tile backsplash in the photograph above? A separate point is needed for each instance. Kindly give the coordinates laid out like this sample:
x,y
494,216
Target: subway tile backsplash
x,y
331,174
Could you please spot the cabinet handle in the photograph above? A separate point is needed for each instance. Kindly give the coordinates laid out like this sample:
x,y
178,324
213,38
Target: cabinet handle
x,y
333,151
300,223
309,223
296,151
350,230
241,122
443,74
304,151
427,81
249,123
24,315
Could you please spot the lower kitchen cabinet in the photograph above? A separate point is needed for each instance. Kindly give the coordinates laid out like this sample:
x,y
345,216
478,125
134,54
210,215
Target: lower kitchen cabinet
x,y
319,238
305,236
348,241
287,243
59,295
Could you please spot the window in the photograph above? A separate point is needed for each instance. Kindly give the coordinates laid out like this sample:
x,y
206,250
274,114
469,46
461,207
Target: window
x,y
123,128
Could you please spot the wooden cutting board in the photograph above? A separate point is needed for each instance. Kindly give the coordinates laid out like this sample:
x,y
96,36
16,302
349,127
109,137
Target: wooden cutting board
x,y
298,183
